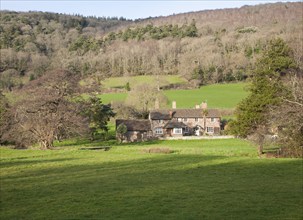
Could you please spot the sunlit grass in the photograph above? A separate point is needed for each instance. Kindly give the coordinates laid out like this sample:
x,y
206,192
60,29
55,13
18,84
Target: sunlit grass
x,y
201,179
216,96
225,96
120,82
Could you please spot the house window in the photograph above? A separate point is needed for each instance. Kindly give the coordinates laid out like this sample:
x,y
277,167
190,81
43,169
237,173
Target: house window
x,y
196,119
177,131
185,119
179,119
212,119
159,131
210,129
160,121
186,130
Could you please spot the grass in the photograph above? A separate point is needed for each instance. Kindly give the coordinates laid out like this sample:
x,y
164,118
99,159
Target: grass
x,y
225,96
204,179
217,95
120,82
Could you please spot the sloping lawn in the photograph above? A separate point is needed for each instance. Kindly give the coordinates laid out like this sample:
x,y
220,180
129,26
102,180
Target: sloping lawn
x,y
120,82
204,179
225,96
216,95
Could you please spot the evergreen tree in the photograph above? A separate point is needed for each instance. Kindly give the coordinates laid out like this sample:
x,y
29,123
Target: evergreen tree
x,y
98,114
266,90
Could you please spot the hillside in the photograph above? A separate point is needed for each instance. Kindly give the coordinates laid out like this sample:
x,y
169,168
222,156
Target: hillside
x,y
221,96
203,47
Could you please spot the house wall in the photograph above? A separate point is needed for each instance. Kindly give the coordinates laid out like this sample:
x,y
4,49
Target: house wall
x,y
190,122
134,136
159,124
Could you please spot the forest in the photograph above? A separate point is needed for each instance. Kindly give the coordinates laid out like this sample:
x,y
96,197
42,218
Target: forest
x,y
203,47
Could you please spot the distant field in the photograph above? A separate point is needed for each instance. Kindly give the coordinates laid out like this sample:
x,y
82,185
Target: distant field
x,y
120,82
204,179
217,96
116,97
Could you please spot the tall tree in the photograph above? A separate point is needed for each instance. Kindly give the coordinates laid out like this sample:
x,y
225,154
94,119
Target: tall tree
x,y
98,114
266,90
288,117
47,111
4,108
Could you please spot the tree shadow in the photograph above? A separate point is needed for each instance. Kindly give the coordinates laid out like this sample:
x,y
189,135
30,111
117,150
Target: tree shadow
x,y
23,161
163,187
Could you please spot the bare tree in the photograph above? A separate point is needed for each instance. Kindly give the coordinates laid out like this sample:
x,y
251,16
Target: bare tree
x,y
48,111
287,119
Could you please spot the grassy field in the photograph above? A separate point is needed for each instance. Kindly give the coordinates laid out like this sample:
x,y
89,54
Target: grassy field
x,y
207,179
217,96
119,82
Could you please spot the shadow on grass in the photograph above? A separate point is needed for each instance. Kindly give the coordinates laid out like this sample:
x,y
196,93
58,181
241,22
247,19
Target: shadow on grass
x,y
98,143
163,187
23,161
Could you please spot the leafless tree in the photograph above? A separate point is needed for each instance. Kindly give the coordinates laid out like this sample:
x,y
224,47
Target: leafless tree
x,y
48,110
287,119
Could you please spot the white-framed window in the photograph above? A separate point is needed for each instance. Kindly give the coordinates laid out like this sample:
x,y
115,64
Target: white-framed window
x,y
160,121
179,119
185,119
196,119
210,129
177,131
158,130
212,119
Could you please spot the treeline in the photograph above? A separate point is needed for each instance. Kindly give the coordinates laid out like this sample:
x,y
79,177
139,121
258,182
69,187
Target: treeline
x,y
204,47
87,43
154,32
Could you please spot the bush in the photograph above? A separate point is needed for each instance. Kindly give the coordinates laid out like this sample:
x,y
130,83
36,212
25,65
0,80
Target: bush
x,y
158,151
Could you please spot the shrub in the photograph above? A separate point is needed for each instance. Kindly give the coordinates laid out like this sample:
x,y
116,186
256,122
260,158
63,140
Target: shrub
x,y
158,151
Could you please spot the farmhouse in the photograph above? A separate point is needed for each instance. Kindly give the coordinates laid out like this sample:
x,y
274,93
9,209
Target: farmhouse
x,y
137,130
174,122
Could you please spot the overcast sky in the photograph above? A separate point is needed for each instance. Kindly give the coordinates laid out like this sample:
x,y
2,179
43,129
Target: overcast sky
x,y
127,9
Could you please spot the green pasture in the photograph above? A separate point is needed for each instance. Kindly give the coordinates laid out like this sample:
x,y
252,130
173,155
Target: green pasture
x,y
225,96
216,95
120,82
201,179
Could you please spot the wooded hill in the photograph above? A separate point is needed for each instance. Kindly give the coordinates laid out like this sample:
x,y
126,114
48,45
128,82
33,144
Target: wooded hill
x,y
205,47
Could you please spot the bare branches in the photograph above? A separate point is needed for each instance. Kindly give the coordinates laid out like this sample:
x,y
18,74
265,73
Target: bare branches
x,y
293,102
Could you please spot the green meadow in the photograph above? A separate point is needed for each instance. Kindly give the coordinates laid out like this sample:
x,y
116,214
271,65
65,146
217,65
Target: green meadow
x,y
201,179
120,82
225,96
216,95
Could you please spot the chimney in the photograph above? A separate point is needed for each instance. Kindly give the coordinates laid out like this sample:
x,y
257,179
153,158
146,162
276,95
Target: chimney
x,y
174,105
197,106
171,114
204,105
157,105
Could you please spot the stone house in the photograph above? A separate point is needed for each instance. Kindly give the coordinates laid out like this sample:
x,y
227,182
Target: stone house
x,y
137,130
181,122
174,122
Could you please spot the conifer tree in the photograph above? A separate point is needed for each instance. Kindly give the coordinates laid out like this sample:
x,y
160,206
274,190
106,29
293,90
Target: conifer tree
x,y
266,90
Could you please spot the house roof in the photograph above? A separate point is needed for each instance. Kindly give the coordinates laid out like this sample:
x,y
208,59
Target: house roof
x,y
135,125
175,124
183,113
160,115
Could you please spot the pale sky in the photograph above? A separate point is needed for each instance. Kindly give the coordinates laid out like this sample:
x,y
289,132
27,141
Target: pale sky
x,y
124,8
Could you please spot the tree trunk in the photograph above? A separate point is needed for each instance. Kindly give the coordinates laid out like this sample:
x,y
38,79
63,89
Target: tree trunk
x,y
46,144
260,149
